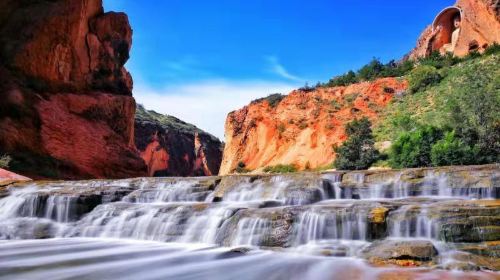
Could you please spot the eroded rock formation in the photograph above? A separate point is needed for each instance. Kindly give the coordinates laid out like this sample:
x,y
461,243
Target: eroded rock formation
x,y
302,127
171,147
479,28
66,106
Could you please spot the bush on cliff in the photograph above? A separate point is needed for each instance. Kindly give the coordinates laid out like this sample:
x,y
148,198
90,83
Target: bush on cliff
x,y
273,99
358,152
5,161
242,168
281,168
422,77
373,70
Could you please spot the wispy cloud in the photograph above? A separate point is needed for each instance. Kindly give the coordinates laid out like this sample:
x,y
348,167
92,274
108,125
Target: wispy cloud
x,y
207,103
277,68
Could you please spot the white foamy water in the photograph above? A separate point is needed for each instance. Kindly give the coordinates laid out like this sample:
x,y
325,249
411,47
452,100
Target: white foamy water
x,y
181,228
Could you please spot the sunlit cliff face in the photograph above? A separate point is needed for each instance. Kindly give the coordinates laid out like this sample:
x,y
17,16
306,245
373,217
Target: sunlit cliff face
x,y
303,127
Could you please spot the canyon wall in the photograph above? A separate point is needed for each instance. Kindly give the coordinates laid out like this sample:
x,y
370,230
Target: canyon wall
x,y
66,108
480,28
171,147
302,127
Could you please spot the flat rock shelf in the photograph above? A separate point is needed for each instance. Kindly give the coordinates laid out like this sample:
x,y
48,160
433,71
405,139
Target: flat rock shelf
x,y
431,223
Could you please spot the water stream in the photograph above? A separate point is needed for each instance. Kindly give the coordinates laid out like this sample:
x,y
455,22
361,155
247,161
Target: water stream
x,y
307,226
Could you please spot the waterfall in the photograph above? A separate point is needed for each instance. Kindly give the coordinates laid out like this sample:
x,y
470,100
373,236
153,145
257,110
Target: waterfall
x,y
335,214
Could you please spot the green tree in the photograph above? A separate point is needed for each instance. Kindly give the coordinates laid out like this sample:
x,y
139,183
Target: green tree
x,y
452,151
423,77
358,152
371,71
413,149
343,80
475,116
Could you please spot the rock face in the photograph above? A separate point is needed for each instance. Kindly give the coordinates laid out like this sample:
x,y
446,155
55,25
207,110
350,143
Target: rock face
x,y
302,127
67,110
171,147
480,28
7,178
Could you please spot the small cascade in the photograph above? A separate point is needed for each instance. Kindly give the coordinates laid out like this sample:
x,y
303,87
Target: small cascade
x,y
251,232
285,189
412,221
324,224
169,192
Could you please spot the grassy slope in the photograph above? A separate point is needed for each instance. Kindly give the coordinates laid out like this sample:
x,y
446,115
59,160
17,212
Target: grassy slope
x,y
433,105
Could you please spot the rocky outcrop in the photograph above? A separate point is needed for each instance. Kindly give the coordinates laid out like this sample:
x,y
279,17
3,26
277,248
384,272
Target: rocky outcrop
x,y
67,110
302,127
171,147
480,28
7,178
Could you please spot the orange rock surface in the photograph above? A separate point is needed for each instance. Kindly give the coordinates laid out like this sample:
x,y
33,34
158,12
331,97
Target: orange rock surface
x,y
7,177
480,28
303,127
66,107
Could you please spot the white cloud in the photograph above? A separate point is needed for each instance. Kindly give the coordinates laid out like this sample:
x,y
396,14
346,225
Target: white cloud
x,y
280,70
207,103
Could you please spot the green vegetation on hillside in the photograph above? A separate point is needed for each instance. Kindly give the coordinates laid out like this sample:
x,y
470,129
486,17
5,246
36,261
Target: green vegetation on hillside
x,y
273,99
450,116
371,71
358,152
281,168
141,114
5,161
241,168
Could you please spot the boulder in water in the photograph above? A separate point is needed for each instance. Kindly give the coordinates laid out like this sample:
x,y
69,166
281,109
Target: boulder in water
x,y
403,253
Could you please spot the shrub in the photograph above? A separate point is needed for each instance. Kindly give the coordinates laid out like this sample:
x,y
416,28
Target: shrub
x,y
422,77
343,80
371,70
281,168
335,105
5,161
413,149
241,168
438,61
493,49
358,152
350,98
307,88
273,99
452,151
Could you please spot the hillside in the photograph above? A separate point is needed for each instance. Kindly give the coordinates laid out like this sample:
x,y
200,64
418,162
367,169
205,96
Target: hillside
x,y
302,127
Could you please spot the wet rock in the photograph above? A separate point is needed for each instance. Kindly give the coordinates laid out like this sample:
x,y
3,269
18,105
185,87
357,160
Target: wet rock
x,y
396,252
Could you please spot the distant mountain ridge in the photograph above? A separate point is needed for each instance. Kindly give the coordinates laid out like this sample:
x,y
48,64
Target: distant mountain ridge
x,y
172,147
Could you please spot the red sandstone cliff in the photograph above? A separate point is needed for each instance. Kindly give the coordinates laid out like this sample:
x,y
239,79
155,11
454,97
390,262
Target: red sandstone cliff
x,y
171,147
301,128
66,108
480,28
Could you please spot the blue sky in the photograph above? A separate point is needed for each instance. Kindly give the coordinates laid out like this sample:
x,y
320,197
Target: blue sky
x,y
199,59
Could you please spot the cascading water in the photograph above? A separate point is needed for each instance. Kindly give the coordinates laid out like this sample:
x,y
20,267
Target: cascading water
x,y
318,220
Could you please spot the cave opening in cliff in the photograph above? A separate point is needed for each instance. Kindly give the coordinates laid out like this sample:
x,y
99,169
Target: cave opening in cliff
x,y
446,28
